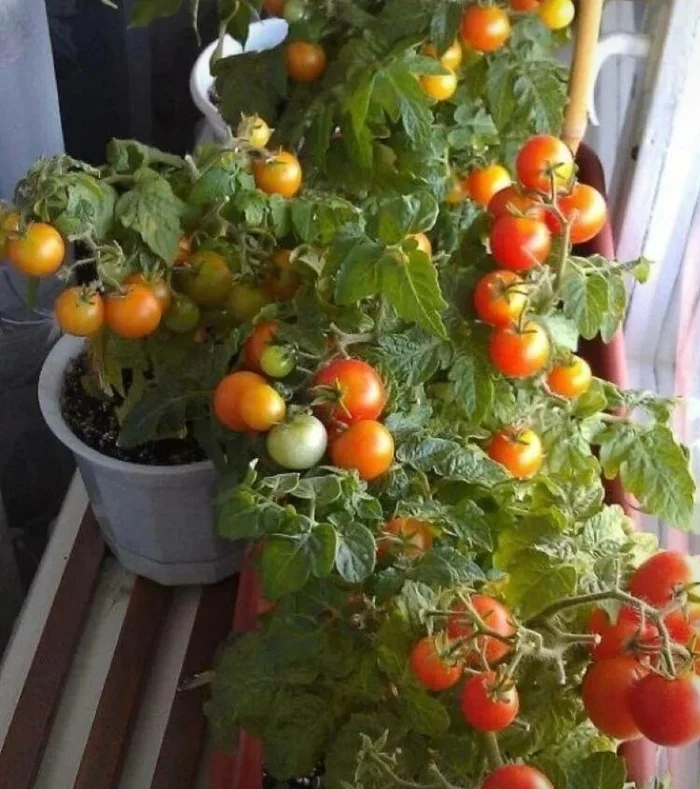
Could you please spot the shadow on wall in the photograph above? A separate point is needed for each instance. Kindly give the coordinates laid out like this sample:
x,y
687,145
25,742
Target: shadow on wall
x,y
116,81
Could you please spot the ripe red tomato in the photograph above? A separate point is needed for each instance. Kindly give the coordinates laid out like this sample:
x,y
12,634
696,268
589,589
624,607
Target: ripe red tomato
x,y
678,623
274,7
495,616
406,536
281,280
598,621
261,407
519,450
585,208
306,61
279,175
161,289
439,86
256,343
367,447
488,705
524,5
485,29
604,692
516,776
512,202
519,243
228,394
433,668
667,711
483,183
540,156
626,637
570,379
39,252
352,390
519,353
661,578
500,298
133,312
79,311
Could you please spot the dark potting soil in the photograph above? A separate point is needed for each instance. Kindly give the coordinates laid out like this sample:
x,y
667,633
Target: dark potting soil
x,y
95,422
313,780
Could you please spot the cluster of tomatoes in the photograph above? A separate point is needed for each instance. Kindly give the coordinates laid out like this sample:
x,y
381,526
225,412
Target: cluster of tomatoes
x,y
628,692
346,397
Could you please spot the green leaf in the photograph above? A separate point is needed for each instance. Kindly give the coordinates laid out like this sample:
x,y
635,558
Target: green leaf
x,y
129,156
152,210
562,331
617,306
401,216
403,88
447,458
640,269
356,553
413,356
285,565
322,549
143,12
538,580
421,712
599,771
472,389
444,25
243,514
411,287
586,300
355,258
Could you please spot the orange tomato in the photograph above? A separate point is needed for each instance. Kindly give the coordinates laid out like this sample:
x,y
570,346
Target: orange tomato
x,y
484,182
80,311
261,407
366,446
159,287
133,312
279,175
519,450
485,28
571,378
281,281
227,398
306,61
410,537
39,252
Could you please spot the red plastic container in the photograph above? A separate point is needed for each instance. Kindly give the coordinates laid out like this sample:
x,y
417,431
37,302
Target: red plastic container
x,y
244,769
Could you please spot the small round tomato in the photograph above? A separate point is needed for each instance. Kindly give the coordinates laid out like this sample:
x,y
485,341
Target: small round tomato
x,y
39,252
604,692
519,450
519,243
524,5
439,86
183,315
667,711
451,58
626,637
295,11
519,352
161,289
274,7
500,298
227,398
133,312
539,158
262,336
489,704
306,61
246,301
280,174
80,311
556,14
512,202
366,446
299,444
432,665
410,537
570,379
585,208
423,243
350,390
662,578
495,616
207,279
277,361
598,622
261,407
485,28
516,776
455,192
483,183
254,129
281,280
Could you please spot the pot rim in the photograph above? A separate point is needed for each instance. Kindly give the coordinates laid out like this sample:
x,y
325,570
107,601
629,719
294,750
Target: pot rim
x,y
49,393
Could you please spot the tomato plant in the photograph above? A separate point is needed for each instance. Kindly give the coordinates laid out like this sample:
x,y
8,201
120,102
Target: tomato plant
x,y
519,242
604,692
524,5
662,578
500,298
489,703
79,311
433,668
519,450
281,280
497,618
183,316
159,287
38,252
451,58
366,446
277,361
245,301
586,211
519,352
261,407
511,201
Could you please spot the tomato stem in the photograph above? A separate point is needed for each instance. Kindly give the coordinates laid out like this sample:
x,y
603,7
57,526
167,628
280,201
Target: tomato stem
x,y
493,752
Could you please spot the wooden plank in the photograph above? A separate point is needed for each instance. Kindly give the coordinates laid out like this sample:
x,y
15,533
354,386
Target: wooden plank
x,y
27,734
100,767
179,756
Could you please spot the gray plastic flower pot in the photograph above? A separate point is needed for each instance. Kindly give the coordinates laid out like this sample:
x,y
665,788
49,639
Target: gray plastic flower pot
x,y
158,520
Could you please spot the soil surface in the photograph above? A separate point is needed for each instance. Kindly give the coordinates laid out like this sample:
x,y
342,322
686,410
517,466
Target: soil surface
x,y
95,422
313,780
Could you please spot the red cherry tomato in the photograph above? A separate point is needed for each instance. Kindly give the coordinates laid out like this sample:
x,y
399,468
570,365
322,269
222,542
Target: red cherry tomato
x,y
353,389
627,638
432,667
495,616
605,690
406,536
667,711
366,446
519,450
570,379
485,29
519,353
661,578
519,243
512,202
516,776
500,298
489,704
587,211
538,158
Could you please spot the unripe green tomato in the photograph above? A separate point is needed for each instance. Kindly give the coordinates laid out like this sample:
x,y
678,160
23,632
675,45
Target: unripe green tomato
x,y
299,444
183,315
246,301
295,11
277,362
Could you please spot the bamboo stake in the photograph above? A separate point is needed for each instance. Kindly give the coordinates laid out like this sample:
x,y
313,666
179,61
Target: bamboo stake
x,y
582,71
